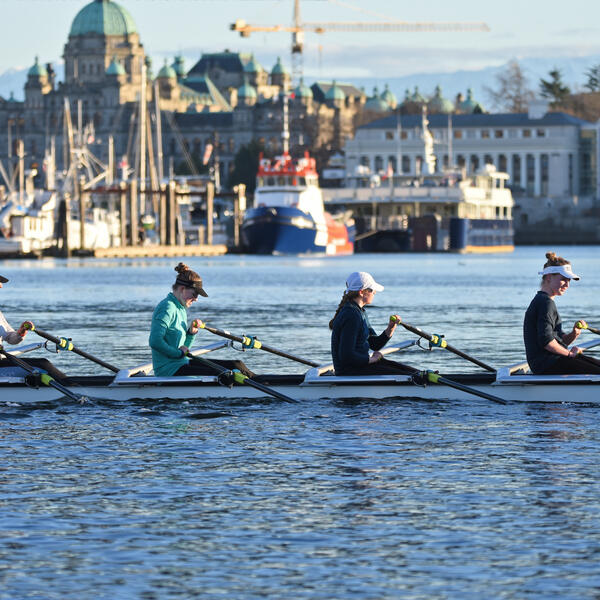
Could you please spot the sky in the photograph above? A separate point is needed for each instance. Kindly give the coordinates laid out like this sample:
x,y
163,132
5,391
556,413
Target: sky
x,y
518,29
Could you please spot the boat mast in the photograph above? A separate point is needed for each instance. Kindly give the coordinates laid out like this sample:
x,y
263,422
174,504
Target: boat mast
x,y
159,148
143,140
285,134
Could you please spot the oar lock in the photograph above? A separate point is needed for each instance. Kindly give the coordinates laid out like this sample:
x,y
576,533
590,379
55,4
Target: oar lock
x,y
422,378
37,378
437,340
250,342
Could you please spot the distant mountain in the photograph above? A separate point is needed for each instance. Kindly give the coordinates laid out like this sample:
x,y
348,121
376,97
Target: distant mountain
x,y
573,72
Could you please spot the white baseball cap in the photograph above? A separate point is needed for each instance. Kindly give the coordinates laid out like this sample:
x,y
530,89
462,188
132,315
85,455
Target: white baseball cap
x,y
564,270
360,280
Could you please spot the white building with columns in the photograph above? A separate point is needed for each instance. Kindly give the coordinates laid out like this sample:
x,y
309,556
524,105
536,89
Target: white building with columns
x,y
549,156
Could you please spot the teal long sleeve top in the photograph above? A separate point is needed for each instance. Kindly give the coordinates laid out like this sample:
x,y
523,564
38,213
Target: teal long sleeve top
x,y
169,331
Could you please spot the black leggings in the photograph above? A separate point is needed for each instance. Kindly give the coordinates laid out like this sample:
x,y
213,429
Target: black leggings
x,y
198,368
576,365
36,363
382,367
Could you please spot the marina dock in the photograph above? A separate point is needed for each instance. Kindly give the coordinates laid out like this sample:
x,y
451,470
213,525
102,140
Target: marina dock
x,y
159,251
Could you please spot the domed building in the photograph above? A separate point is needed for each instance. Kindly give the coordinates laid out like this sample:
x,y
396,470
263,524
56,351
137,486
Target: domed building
x,y
469,105
376,103
439,104
102,31
389,97
280,76
226,96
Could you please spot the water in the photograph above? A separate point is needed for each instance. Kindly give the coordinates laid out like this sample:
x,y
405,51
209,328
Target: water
x,y
356,499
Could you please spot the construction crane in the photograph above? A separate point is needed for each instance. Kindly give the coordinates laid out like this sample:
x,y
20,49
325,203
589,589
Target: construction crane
x,y
298,29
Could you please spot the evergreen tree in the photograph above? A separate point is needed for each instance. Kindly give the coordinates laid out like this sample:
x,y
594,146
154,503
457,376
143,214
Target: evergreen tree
x,y
593,82
512,93
245,166
554,88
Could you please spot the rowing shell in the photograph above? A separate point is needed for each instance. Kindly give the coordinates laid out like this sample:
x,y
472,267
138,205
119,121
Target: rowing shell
x,y
513,383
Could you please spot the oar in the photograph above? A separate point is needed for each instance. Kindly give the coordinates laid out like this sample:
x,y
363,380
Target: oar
x,y
241,378
65,344
252,342
437,340
581,325
433,377
44,377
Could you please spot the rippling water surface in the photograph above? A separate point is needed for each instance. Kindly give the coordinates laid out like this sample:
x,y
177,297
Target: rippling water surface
x,y
355,499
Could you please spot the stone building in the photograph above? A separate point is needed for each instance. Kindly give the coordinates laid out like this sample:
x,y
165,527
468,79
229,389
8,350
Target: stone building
x,y
226,99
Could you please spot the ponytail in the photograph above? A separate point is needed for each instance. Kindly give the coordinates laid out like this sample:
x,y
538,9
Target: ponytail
x,y
347,297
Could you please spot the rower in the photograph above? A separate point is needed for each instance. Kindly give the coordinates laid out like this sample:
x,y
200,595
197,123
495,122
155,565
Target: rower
x,y
546,344
170,335
10,336
352,334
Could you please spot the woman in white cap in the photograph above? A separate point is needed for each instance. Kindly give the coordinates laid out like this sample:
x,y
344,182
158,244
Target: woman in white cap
x,y
352,335
10,336
546,344
170,336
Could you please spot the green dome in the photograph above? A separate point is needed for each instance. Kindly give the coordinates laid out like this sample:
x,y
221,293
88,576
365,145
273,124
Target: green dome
x,y
37,70
335,93
439,104
252,66
115,68
103,17
376,103
469,105
278,69
178,66
303,91
416,97
389,97
247,91
167,72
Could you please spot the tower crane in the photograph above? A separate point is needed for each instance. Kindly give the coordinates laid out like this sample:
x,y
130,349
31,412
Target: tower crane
x,y
298,29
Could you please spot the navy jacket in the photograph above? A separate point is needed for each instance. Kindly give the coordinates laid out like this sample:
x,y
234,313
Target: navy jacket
x,y
351,338
542,324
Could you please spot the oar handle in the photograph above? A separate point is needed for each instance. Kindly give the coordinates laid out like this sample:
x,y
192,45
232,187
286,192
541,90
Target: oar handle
x,y
66,344
437,340
582,325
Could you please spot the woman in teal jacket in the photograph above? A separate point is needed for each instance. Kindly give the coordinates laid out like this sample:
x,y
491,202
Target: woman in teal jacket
x,y
170,336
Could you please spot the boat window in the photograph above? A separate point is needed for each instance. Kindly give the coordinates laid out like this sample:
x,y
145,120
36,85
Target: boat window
x,y
389,135
526,133
260,181
485,134
302,181
281,180
499,133
458,134
270,181
541,133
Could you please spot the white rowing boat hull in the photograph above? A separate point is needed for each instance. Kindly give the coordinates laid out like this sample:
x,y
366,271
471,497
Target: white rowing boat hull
x,y
512,384
521,388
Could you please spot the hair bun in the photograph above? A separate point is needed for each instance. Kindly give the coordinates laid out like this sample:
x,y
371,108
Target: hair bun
x,y
181,267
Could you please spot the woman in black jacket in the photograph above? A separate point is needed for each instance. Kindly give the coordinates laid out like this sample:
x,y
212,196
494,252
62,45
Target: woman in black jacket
x,y
352,335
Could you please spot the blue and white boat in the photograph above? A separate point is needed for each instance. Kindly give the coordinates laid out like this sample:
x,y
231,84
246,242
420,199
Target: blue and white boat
x,y
288,216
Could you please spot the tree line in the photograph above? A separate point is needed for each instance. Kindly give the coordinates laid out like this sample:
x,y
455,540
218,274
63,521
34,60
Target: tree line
x,y
513,92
